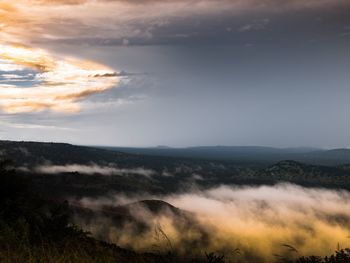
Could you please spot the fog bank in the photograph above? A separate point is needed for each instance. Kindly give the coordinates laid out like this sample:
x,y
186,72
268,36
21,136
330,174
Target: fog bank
x,y
259,221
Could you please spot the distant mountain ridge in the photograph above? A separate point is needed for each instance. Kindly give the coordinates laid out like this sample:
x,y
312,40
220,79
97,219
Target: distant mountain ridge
x,y
66,169
32,153
63,153
247,153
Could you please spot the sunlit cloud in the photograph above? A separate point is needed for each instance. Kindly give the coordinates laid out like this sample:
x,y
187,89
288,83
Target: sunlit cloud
x,y
256,220
93,169
34,126
62,82
7,67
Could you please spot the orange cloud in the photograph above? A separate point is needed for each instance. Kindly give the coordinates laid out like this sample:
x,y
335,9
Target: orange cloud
x,y
62,82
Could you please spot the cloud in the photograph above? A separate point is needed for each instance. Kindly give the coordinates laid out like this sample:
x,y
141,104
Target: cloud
x,y
62,82
55,23
255,25
60,2
8,67
256,220
18,125
126,21
93,169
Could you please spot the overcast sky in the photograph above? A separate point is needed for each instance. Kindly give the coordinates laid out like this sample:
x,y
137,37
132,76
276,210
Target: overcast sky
x,y
176,72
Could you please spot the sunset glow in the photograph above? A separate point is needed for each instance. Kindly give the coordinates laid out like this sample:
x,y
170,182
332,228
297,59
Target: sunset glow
x,y
61,82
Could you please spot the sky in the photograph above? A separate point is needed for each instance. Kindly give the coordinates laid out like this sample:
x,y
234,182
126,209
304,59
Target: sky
x,y
176,72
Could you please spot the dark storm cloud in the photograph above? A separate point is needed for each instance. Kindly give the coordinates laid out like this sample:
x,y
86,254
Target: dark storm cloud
x,y
174,22
156,22
241,23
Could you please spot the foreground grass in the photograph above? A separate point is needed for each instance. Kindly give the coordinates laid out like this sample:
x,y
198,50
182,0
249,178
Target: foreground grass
x,y
73,251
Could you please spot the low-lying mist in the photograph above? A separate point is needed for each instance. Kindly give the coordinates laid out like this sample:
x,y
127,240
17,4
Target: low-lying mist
x,y
90,169
263,222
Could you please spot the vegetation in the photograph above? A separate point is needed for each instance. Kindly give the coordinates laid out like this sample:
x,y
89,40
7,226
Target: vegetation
x,y
171,174
34,229
340,256
36,226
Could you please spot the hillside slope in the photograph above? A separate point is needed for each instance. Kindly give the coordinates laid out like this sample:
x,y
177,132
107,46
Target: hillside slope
x,y
248,154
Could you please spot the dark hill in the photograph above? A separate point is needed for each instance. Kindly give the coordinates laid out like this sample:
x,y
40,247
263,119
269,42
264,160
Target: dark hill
x,y
58,153
248,154
36,229
156,207
304,174
126,212
139,218
137,173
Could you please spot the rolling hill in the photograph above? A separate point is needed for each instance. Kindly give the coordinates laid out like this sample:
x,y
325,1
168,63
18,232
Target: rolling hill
x,y
68,170
247,154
